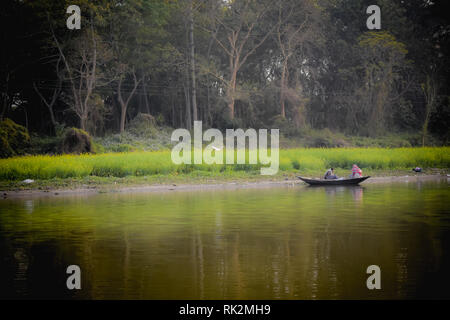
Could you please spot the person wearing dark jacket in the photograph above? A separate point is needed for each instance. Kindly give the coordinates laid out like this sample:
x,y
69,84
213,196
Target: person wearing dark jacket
x,y
330,174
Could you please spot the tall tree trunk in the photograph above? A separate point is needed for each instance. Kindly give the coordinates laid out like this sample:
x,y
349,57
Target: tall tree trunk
x,y
5,100
231,103
83,122
26,118
430,92
124,103
123,115
208,85
188,105
123,107
180,113
173,109
231,92
147,106
283,89
192,62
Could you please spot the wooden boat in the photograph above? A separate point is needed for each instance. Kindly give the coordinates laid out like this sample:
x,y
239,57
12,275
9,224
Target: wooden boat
x,y
334,182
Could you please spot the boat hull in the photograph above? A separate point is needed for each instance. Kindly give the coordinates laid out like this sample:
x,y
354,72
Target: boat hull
x,y
333,182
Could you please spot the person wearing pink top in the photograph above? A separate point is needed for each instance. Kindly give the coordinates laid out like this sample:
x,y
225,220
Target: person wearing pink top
x,y
356,172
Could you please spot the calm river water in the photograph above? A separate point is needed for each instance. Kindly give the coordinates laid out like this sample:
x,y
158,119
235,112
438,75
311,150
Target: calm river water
x,y
270,243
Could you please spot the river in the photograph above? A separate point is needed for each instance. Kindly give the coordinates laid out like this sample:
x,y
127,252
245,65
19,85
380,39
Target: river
x,y
285,242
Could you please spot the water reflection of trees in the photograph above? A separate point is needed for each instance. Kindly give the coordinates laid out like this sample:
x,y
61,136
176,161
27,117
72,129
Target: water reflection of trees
x,y
250,245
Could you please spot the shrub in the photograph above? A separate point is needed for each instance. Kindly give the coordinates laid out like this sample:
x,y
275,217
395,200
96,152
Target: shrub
x,y
46,144
97,147
295,164
76,141
123,147
14,139
143,125
320,142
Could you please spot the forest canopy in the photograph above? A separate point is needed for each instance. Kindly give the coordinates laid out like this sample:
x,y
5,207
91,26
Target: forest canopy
x,y
290,64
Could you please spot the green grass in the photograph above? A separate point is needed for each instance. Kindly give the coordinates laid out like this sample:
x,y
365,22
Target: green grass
x,y
158,163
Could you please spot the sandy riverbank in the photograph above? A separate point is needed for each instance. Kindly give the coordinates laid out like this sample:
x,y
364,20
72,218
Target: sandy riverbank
x,y
199,186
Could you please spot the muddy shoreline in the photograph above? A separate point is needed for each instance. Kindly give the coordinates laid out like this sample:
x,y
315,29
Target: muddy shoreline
x,y
199,187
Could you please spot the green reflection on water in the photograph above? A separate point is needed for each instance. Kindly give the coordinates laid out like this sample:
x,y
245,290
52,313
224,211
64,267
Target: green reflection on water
x,y
279,243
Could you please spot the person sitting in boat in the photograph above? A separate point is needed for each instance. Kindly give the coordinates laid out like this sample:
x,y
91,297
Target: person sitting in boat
x,y
330,174
356,172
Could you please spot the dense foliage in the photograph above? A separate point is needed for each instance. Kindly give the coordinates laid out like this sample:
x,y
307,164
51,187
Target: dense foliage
x,y
14,139
294,64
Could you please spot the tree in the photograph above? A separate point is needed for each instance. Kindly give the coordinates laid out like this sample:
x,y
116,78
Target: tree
x,y
241,21
55,94
257,63
382,59
81,70
430,91
294,28
137,40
